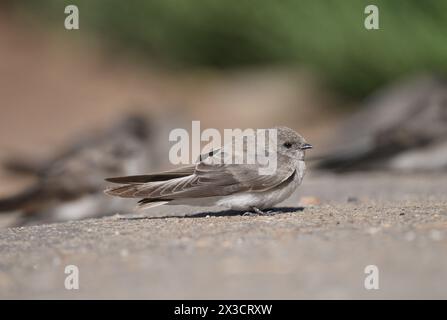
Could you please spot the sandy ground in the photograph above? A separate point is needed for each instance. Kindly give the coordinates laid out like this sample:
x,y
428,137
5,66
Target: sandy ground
x,y
396,222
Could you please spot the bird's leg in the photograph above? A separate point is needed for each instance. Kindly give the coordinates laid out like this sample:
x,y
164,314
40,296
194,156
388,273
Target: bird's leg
x,y
249,214
257,211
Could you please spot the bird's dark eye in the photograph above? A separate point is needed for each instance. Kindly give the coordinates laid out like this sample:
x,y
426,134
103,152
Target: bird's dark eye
x,y
288,145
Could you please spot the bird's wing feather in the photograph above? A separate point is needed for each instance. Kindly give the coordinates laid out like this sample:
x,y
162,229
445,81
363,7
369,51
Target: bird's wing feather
x,y
161,176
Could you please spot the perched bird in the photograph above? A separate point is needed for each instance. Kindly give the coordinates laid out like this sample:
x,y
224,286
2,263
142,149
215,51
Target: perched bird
x,y
395,125
70,186
238,186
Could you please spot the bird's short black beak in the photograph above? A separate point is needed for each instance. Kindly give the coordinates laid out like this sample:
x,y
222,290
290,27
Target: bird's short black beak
x,y
306,146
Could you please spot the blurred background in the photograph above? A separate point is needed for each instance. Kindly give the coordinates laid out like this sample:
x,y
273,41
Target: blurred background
x,y
366,99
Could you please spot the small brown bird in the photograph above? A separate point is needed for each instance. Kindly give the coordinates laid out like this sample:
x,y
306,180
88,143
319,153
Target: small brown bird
x,y
213,183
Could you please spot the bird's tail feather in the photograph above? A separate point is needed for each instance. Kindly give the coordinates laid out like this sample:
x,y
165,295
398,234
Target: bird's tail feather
x,y
146,205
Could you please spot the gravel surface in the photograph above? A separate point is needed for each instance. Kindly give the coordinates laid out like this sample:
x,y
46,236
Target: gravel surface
x,y
396,222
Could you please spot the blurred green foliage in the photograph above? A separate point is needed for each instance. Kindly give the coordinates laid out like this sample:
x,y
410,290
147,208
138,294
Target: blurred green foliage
x,y
328,36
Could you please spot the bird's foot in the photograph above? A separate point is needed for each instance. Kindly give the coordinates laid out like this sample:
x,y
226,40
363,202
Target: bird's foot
x,y
249,214
258,212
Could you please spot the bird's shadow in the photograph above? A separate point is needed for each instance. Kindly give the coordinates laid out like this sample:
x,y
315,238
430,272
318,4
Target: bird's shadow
x,y
223,213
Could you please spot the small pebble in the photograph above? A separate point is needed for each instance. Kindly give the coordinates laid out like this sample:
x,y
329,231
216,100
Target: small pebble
x,y
124,253
373,230
309,201
353,199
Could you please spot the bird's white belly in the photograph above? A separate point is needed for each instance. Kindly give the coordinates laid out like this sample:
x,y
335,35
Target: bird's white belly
x,y
263,200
